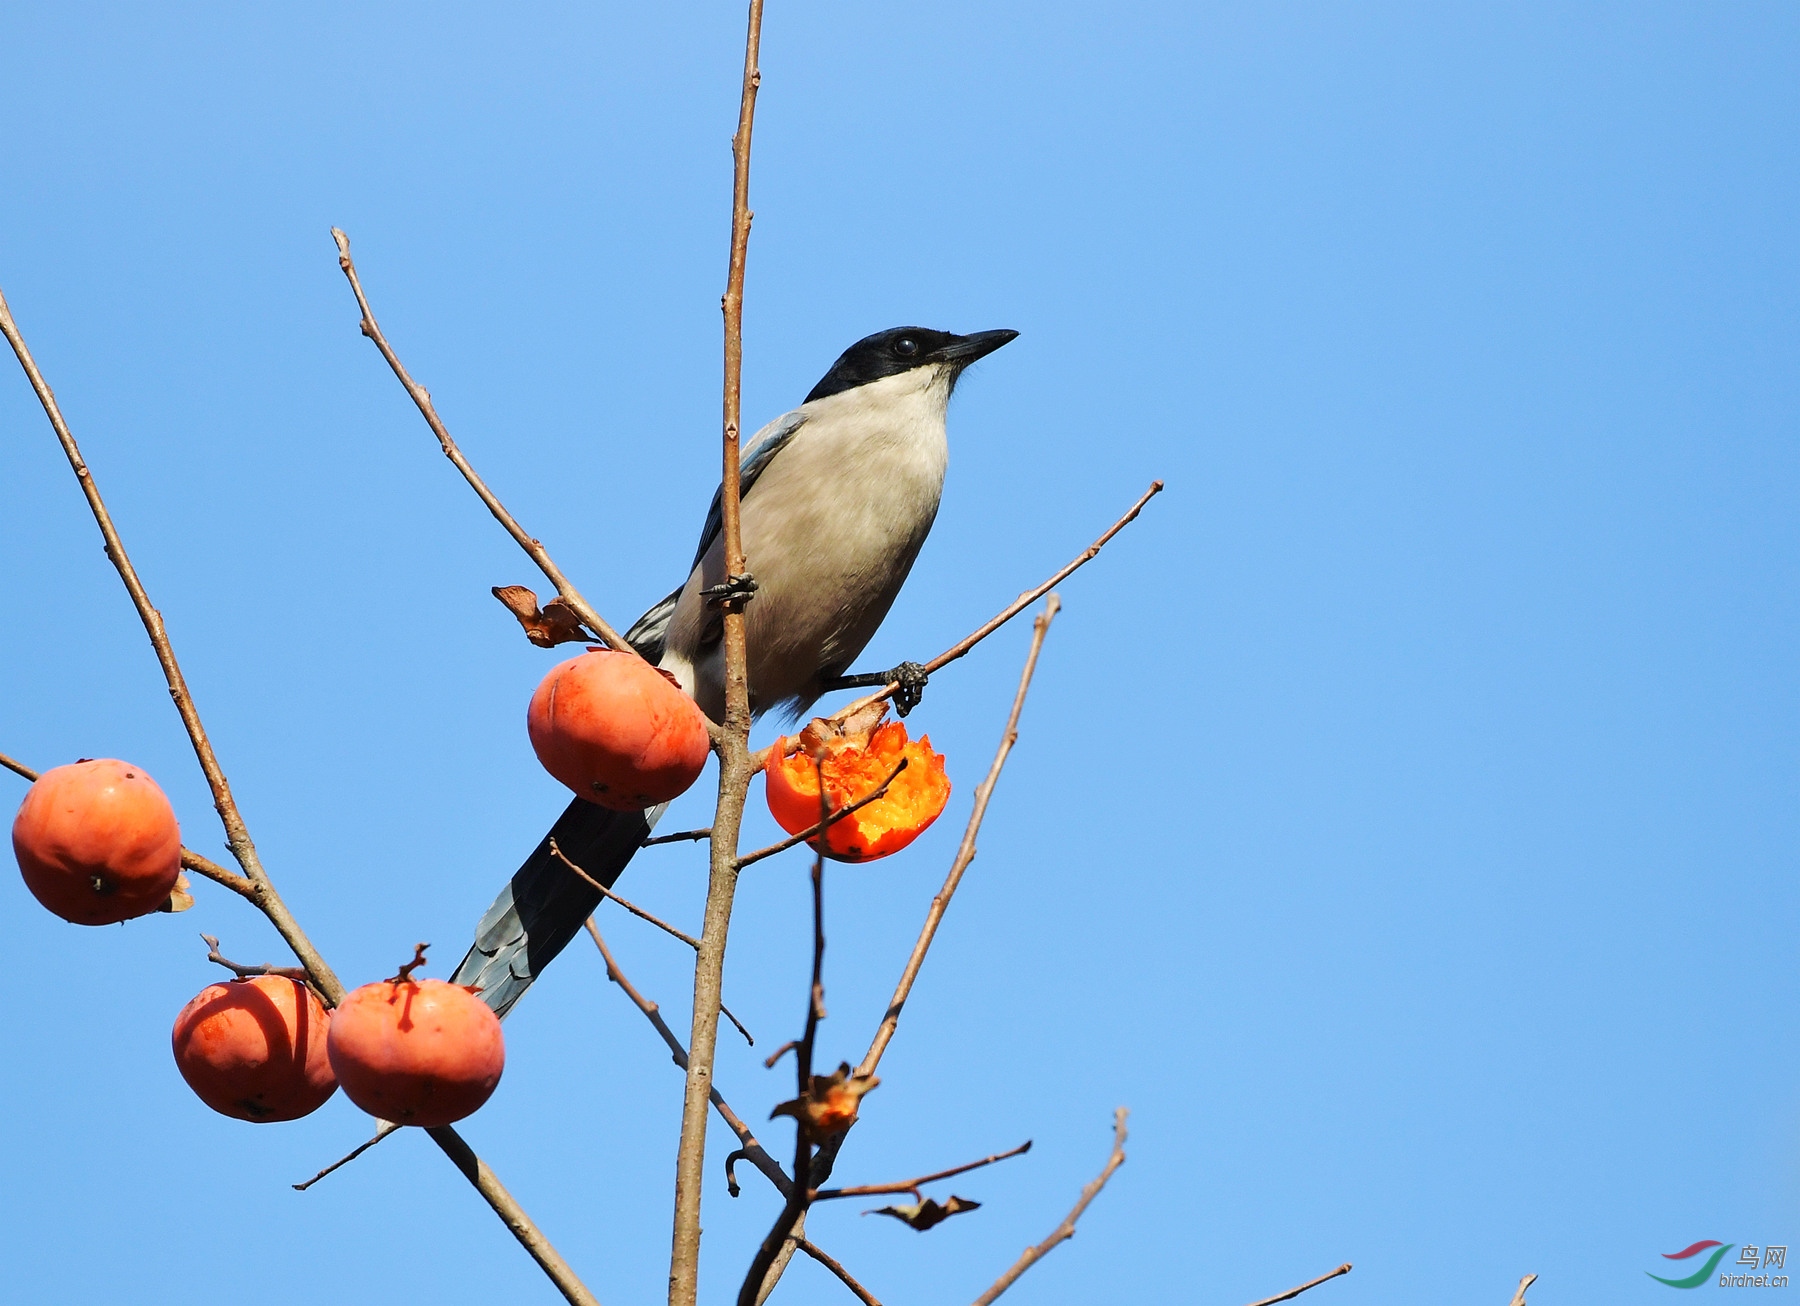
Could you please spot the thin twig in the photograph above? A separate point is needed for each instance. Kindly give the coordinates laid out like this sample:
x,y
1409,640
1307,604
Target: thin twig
x,y
237,833
1518,1297
639,912
732,739
422,398
1066,1230
682,836
387,1127
190,860
831,1263
965,853
631,907
831,817
1313,1283
245,972
751,1149
725,1011
1014,608
913,1185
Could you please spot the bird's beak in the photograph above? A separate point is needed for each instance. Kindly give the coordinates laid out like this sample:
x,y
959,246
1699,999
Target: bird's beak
x,y
964,350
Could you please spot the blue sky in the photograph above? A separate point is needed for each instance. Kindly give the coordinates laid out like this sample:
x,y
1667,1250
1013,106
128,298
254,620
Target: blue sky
x,y
1403,823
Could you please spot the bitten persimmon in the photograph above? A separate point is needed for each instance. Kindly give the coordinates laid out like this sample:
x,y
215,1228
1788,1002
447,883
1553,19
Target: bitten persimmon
x,y
617,731
854,763
417,1052
255,1049
97,842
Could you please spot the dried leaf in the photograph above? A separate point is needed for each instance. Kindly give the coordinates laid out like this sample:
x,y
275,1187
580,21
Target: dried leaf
x,y
822,732
926,1213
179,897
555,623
830,1104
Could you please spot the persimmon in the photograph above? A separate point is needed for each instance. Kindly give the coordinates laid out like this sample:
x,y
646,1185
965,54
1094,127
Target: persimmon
x,y
417,1052
854,763
97,842
255,1049
617,731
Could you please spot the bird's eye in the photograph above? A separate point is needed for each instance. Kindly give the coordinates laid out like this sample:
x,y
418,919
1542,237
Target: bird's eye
x,y
906,346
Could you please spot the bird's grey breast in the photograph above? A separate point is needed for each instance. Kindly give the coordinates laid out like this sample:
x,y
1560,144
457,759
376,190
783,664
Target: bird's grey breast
x,y
831,528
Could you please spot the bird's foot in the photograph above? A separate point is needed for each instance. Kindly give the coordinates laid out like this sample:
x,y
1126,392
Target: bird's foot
x,y
736,591
909,678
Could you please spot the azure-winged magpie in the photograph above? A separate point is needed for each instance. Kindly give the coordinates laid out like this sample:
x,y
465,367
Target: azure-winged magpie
x,y
838,496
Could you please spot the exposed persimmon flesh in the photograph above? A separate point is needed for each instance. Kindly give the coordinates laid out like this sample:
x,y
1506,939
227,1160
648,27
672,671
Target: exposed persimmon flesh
x,y
854,767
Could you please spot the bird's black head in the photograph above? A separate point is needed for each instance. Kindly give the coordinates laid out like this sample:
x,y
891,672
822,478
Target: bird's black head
x,y
889,353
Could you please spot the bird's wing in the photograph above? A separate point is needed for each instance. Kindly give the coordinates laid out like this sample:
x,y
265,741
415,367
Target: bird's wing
x,y
764,445
650,631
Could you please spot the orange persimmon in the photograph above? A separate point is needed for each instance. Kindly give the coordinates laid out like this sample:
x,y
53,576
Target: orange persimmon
x,y
255,1049
97,842
617,731
417,1052
853,765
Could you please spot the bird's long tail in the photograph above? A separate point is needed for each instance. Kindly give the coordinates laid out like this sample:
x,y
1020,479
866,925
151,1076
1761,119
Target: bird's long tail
x,y
545,903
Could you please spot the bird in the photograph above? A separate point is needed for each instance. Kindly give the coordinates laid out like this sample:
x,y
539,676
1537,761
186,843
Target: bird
x,y
837,498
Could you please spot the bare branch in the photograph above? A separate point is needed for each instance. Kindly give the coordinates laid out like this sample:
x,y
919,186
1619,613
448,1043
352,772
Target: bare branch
x,y
244,972
681,837
639,912
1312,1283
387,1127
751,1150
831,1263
241,885
476,1171
832,816
732,739
913,1185
421,397
1014,608
237,834
1518,1297
633,908
1066,1230
725,1011
965,853
18,768
787,1224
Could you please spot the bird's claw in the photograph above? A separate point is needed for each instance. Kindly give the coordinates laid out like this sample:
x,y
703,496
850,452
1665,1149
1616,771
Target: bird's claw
x,y
910,679
737,590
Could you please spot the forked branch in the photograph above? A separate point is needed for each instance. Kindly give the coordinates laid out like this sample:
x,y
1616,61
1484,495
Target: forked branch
x,y
237,834
748,1147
